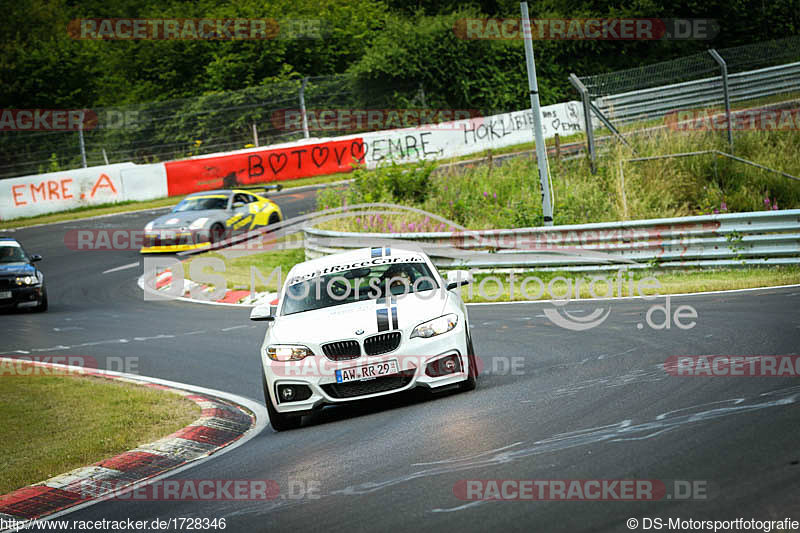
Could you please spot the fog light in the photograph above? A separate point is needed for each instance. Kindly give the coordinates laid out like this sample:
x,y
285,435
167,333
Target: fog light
x,y
442,367
293,393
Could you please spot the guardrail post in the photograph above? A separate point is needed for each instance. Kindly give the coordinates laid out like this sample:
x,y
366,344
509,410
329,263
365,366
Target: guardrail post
x,y
587,118
723,66
303,107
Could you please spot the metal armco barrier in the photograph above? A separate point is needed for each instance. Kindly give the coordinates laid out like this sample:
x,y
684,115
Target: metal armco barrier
x,y
656,102
735,239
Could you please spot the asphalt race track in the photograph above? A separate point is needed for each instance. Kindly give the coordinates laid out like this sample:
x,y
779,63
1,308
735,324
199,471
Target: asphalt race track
x,y
577,405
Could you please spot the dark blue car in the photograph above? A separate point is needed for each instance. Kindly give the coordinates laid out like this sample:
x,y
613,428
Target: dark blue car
x,y
21,283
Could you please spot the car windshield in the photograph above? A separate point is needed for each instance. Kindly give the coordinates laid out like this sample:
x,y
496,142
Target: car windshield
x,y
11,254
357,284
201,203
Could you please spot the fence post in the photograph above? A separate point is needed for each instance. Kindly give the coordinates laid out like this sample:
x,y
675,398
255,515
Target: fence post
x,y
255,134
303,107
723,67
80,140
541,148
587,118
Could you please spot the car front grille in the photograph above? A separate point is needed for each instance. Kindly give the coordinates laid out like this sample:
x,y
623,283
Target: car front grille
x,y
342,350
382,343
371,386
5,283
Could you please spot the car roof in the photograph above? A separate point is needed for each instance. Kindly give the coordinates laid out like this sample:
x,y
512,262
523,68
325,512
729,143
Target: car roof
x,y
361,254
207,193
9,240
222,191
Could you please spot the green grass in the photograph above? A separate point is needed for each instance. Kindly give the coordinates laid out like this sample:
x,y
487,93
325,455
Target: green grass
x,y
237,270
125,207
54,424
669,282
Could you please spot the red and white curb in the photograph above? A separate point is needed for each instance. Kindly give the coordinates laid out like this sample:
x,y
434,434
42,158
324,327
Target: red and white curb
x,y
227,421
163,284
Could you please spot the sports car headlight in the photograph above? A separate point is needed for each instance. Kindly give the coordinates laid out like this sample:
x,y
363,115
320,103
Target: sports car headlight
x,y
149,226
434,327
199,223
27,280
288,352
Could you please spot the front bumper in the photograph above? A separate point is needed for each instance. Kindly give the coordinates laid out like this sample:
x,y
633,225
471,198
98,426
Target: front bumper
x,y
318,373
170,241
21,297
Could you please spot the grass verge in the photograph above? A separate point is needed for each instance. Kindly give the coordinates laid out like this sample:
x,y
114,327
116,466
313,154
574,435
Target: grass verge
x,y
508,196
237,276
54,424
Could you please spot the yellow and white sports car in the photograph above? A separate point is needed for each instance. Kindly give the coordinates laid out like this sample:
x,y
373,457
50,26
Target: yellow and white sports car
x,y
205,218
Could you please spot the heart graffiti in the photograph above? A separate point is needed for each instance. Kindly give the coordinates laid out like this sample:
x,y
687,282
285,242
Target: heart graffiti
x,y
279,162
323,152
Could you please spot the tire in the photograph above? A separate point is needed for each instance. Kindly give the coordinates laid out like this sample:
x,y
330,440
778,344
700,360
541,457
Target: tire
x,y
471,382
216,233
278,421
42,307
274,218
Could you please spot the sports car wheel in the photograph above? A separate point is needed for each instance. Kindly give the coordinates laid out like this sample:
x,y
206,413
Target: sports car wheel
x,y
274,218
42,307
278,421
471,382
217,233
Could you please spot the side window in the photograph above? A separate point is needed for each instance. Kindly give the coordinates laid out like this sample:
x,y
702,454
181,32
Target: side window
x,y
241,198
251,198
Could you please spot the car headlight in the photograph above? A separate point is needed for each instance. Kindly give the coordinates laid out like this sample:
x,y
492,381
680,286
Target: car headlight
x,y
434,327
288,352
27,280
199,223
149,226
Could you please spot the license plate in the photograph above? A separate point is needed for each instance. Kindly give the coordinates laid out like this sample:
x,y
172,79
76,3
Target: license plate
x,y
370,371
5,295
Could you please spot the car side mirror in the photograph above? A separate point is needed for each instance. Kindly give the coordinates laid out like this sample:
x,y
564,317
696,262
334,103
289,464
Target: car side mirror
x,y
36,257
457,278
237,205
261,313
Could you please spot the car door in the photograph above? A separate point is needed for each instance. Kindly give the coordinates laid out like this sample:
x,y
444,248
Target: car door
x,y
241,219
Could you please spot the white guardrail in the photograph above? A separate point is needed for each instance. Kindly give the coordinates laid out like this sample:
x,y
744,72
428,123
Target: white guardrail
x,y
725,240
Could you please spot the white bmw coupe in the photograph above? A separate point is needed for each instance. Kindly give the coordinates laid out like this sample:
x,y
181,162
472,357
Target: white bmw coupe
x,y
363,324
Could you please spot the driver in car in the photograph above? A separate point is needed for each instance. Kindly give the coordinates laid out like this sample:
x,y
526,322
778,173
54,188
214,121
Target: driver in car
x,y
398,279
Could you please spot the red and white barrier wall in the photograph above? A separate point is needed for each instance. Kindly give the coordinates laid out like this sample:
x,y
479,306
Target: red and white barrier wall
x,y
59,191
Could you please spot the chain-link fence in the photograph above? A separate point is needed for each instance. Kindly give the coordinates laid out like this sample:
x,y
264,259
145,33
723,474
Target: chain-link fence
x,y
760,72
224,121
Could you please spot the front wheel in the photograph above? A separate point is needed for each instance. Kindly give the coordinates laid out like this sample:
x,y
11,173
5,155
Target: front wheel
x,y
278,421
42,307
471,381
